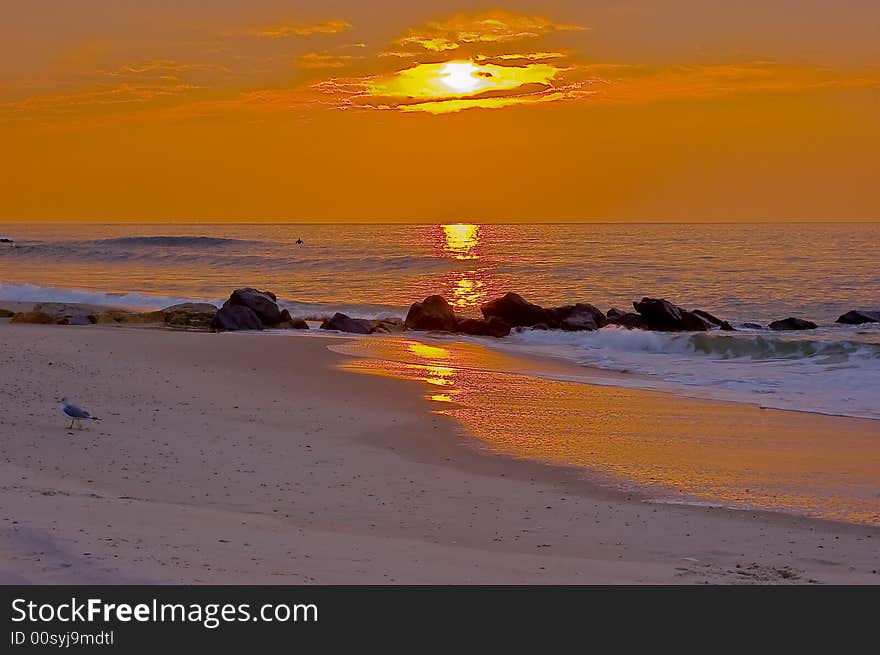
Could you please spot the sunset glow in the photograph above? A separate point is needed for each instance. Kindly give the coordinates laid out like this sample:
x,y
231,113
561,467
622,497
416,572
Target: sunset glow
x,y
570,112
350,294
456,85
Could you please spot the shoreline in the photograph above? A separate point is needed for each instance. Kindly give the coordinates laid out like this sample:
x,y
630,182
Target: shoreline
x,y
384,442
792,370
484,357
600,429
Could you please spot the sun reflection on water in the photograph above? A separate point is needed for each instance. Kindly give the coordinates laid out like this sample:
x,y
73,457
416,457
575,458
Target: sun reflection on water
x,y
462,240
463,243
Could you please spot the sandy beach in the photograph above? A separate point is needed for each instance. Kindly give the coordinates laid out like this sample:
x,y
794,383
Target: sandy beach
x,y
241,458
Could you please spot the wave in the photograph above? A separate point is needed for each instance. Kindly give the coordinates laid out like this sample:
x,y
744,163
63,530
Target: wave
x,y
746,345
33,293
319,311
835,372
225,255
309,311
171,241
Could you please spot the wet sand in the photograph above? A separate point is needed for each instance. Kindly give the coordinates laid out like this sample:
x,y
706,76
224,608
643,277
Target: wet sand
x,y
667,447
257,459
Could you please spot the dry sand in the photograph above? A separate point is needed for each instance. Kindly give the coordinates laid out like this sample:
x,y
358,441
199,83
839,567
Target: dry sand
x,y
235,458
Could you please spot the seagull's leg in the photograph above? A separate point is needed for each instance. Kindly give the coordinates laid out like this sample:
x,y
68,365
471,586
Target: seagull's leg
x,y
70,427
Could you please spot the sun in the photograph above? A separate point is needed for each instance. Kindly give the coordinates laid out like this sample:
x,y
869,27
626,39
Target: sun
x,y
459,76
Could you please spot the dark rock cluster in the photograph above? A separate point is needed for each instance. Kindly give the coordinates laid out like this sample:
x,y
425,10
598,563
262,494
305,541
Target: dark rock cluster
x,y
859,317
434,313
345,323
249,309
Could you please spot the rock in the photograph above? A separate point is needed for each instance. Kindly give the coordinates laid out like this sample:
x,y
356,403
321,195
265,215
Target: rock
x,y
491,327
433,313
110,317
660,314
262,303
6,240
190,314
693,322
39,318
579,317
753,326
230,318
630,321
663,316
857,317
129,317
79,319
344,323
714,320
66,314
388,326
294,324
289,323
614,313
514,310
5,313
792,323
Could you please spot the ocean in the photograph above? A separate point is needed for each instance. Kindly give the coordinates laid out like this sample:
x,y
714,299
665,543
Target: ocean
x,y
739,272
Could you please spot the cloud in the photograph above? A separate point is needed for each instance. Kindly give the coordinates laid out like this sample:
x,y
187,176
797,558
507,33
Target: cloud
x,y
451,106
456,85
304,29
525,56
639,83
100,97
127,86
161,68
325,59
402,54
483,28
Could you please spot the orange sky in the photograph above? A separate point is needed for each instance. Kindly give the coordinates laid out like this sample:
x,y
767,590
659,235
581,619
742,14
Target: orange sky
x,y
345,110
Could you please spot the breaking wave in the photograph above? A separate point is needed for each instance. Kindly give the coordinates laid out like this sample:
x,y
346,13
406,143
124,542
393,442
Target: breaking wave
x,y
33,293
833,371
309,311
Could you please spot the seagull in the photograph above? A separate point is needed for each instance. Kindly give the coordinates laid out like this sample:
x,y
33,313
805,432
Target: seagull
x,y
75,413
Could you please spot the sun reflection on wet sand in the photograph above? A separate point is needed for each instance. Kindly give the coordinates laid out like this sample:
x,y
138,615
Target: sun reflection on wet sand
x,y
676,448
425,351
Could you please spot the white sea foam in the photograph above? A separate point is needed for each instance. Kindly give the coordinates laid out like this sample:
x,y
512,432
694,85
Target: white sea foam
x,y
836,371
33,293
312,311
